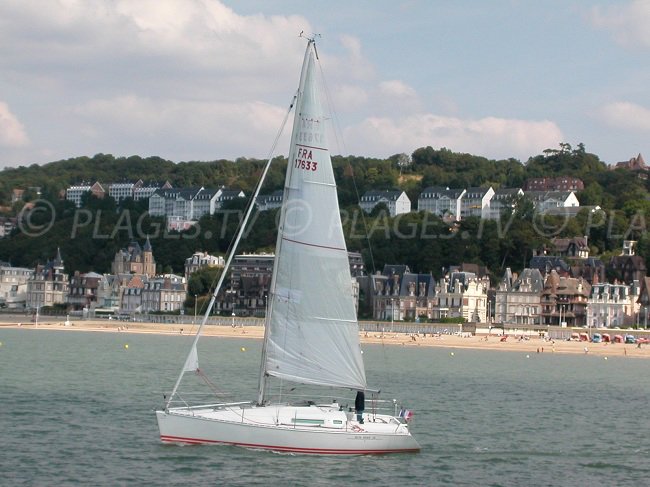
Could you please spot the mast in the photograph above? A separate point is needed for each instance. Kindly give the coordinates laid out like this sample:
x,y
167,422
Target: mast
x,y
311,44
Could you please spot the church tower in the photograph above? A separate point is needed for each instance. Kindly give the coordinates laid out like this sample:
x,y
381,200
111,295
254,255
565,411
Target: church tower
x,y
149,267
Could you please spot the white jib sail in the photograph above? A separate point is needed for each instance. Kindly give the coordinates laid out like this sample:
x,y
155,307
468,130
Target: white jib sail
x,y
313,335
192,361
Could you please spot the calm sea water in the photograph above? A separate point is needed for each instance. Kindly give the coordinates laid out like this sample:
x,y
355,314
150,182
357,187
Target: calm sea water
x,y
77,409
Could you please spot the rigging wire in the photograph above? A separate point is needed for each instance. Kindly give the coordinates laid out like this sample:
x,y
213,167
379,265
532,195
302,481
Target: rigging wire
x,y
212,386
231,251
252,200
341,143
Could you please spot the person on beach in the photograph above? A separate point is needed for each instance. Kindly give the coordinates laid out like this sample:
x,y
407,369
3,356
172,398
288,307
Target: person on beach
x,y
360,405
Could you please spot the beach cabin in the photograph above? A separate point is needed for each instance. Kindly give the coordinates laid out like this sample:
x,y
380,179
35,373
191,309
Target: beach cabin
x,y
618,338
596,338
584,337
630,339
606,338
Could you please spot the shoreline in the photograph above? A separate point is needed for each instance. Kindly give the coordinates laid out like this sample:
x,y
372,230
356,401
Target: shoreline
x,y
492,343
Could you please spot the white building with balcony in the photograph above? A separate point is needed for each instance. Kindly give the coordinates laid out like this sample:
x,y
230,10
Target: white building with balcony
x,y
504,199
163,293
189,204
48,285
270,201
121,191
200,260
612,305
476,202
396,201
518,298
462,294
443,202
550,201
13,285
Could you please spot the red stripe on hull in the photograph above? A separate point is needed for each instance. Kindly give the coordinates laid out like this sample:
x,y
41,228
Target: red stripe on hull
x,y
288,449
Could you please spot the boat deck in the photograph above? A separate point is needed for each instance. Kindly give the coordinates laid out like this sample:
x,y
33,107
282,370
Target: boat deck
x,y
311,417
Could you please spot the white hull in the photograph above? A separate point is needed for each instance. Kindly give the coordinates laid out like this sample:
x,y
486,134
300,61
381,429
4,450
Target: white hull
x,y
311,429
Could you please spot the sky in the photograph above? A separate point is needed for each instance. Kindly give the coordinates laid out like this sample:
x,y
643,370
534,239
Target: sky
x,y
200,80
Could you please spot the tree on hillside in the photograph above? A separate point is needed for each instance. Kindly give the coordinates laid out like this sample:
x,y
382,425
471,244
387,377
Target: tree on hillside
x,y
566,162
203,281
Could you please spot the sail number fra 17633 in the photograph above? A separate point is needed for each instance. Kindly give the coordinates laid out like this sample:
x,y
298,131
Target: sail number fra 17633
x,y
304,160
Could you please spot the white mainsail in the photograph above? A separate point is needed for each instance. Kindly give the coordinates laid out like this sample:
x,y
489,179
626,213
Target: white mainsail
x,y
312,331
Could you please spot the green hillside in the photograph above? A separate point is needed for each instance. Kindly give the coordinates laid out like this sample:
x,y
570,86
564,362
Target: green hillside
x,y
89,237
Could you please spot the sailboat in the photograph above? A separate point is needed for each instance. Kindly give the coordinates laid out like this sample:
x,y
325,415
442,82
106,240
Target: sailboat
x,y
311,330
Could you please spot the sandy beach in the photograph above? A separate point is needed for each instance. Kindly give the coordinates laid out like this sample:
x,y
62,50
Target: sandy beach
x,y
512,344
